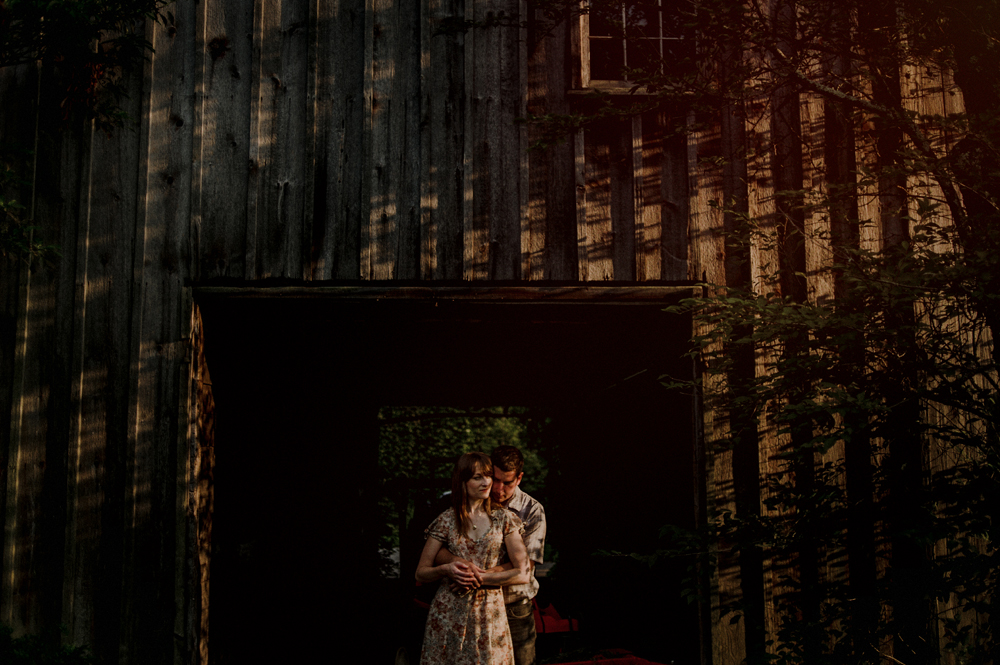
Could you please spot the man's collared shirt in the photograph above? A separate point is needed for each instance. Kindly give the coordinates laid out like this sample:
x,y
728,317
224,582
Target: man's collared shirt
x,y
533,517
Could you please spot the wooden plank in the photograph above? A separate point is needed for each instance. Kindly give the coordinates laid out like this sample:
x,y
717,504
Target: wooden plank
x,y
707,244
765,262
648,226
158,346
497,144
42,405
10,275
10,355
580,50
19,395
256,38
137,635
368,240
15,296
525,246
582,228
310,152
81,515
200,61
673,197
473,237
228,80
407,92
651,142
430,13
598,237
105,274
483,64
282,130
866,153
765,258
395,168
25,459
444,165
610,201
540,164
380,243
623,194
549,242
341,175
196,492
708,264
820,286
818,254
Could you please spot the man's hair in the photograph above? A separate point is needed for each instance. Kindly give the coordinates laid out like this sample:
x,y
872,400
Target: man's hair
x,y
507,459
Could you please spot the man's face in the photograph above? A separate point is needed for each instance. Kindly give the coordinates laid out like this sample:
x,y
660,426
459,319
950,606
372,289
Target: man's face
x,y
504,483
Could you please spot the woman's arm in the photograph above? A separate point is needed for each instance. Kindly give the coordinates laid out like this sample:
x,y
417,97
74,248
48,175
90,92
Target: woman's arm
x,y
518,555
428,572
464,574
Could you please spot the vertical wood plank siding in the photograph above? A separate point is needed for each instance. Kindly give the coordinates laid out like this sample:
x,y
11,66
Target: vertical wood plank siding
x,y
340,175
400,120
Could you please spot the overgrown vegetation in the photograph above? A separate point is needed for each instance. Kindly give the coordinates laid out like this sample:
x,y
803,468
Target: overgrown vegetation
x,y
71,58
881,520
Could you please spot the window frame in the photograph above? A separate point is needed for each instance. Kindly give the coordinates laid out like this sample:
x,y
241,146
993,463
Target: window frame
x,y
581,46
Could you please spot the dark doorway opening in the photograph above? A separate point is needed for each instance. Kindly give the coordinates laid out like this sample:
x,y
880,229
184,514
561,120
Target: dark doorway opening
x,y
298,382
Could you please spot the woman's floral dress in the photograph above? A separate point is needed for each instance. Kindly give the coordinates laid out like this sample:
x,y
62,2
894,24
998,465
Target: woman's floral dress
x,y
470,629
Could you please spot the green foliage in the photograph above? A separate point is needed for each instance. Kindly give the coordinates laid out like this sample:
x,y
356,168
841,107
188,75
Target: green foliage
x,y
81,50
19,238
85,46
34,650
897,370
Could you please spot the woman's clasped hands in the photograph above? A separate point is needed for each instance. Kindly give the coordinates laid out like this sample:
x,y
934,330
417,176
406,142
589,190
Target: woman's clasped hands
x,y
463,575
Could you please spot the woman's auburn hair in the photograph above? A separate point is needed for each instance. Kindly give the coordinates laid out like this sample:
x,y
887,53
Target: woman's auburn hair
x,y
467,466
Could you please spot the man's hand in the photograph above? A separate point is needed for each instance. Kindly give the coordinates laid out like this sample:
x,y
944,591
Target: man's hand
x,y
463,574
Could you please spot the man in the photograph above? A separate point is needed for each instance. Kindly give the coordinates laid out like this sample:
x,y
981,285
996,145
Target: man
x,y
508,465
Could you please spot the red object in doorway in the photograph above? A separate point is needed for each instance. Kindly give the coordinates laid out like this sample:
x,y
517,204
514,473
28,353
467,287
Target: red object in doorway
x,y
549,621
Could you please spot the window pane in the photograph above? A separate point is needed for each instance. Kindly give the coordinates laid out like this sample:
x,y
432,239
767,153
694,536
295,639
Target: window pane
x,y
643,54
643,19
677,49
676,15
607,59
606,19
655,36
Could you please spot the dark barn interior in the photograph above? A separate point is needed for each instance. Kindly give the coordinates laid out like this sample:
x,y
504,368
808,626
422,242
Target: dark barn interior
x,y
298,383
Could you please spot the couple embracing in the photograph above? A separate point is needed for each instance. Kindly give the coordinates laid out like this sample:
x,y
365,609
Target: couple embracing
x,y
486,547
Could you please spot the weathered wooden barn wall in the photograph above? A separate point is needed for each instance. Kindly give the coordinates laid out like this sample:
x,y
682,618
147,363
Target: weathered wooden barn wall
x,y
333,142
304,141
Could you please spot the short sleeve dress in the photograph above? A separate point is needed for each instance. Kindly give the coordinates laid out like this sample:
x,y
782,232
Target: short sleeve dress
x,y
470,629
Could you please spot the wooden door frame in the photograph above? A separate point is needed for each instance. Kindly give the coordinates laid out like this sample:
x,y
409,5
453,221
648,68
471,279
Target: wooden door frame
x,y
194,505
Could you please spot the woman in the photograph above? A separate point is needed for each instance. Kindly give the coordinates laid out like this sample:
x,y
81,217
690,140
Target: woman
x,y
471,627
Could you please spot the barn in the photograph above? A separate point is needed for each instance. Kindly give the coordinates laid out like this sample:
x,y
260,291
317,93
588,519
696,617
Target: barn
x,y
323,207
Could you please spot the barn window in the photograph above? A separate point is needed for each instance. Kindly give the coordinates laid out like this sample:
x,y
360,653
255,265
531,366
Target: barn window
x,y
618,39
